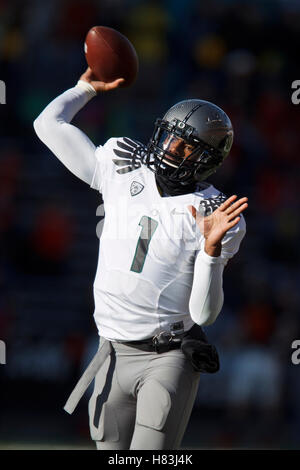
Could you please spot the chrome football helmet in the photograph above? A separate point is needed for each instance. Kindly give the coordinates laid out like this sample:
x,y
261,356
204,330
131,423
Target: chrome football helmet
x,y
188,144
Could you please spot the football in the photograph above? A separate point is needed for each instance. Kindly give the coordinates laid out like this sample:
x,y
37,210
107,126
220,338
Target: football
x,y
110,55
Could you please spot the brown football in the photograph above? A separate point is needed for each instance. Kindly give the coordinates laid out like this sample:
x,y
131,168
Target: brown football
x,y
110,55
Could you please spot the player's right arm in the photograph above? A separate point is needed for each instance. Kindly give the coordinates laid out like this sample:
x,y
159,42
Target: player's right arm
x,y
223,231
70,145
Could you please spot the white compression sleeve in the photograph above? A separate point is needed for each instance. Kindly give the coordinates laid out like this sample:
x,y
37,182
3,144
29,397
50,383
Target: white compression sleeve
x,y
207,295
73,148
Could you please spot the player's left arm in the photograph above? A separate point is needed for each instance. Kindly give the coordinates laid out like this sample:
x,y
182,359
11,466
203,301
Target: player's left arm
x,y
223,231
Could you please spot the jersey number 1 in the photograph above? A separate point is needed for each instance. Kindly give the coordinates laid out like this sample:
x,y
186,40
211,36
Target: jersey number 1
x,y
148,228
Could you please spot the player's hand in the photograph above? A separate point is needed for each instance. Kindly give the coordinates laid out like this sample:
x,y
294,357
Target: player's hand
x,y
99,86
214,226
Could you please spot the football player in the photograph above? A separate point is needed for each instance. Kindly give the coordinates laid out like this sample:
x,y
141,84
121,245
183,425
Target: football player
x,y
166,239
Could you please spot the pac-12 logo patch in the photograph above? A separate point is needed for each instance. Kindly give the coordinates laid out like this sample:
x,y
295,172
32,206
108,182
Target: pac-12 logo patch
x,y
136,188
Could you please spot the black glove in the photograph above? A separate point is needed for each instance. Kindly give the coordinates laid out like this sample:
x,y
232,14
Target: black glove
x,y
202,355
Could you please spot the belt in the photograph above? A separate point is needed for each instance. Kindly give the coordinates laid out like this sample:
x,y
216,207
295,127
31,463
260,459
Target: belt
x,y
160,343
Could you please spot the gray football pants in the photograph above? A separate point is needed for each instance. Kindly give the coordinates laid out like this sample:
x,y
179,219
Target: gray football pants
x,y
142,400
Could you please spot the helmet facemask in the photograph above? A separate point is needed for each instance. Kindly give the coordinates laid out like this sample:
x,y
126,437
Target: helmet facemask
x,y
178,155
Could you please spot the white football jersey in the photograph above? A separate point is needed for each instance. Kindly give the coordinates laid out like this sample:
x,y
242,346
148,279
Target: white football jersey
x,y
148,246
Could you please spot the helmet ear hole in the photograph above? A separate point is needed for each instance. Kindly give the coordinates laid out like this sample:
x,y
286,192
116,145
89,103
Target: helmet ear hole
x,y
226,144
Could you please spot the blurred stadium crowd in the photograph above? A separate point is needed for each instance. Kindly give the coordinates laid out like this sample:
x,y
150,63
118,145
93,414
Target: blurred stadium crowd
x,y
241,55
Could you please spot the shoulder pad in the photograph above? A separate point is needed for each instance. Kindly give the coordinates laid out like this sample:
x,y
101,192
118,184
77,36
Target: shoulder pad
x,y
129,154
210,204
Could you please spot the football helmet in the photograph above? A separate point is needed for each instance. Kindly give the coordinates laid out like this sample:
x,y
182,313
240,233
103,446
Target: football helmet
x,y
188,144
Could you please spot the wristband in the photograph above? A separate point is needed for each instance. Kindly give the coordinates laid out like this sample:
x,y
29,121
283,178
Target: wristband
x,y
87,87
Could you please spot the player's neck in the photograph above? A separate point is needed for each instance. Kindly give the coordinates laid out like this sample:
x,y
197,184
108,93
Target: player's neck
x,y
180,190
